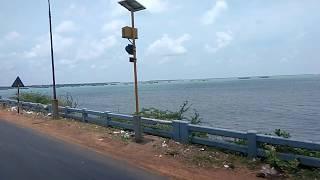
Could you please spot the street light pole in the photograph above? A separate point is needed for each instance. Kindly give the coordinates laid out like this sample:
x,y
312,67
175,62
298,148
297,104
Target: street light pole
x,y
133,6
137,118
54,101
135,65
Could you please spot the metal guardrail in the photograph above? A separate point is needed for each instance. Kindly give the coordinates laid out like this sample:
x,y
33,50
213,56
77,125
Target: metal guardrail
x,y
182,131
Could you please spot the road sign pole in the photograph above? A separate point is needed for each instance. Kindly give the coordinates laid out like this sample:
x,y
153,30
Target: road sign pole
x,y
18,98
17,84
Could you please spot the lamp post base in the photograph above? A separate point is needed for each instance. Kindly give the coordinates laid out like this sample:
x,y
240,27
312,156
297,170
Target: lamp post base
x,y
55,110
137,129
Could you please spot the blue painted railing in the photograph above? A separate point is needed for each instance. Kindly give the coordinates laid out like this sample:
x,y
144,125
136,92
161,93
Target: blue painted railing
x,y
184,132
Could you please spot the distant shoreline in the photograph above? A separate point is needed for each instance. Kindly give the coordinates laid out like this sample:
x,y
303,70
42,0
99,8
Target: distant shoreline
x,y
154,81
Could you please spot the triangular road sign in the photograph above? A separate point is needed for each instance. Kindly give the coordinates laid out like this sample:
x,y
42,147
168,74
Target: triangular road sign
x,y
17,83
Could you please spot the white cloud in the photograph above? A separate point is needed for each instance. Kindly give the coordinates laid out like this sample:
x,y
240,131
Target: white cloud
x,y
8,55
212,14
284,60
155,6
167,46
42,49
13,35
223,39
113,26
37,50
65,27
65,51
76,10
65,61
62,43
95,49
115,9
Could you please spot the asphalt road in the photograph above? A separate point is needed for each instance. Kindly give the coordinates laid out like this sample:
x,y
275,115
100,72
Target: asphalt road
x,y
28,155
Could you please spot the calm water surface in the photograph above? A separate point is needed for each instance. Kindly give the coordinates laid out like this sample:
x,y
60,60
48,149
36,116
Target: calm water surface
x,y
291,103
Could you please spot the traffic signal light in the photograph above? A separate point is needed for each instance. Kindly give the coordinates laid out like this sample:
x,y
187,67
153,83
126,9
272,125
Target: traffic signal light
x,y
130,49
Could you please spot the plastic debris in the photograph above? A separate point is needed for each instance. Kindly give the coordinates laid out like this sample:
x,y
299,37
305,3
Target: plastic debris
x,y
186,150
126,135
164,144
267,171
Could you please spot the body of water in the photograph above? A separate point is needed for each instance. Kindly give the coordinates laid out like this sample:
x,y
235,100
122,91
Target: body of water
x,y
291,103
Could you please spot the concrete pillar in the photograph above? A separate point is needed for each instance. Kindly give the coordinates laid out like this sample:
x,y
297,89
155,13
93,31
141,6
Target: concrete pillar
x,y
184,131
180,131
252,143
176,130
84,115
137,126
66,111
106,118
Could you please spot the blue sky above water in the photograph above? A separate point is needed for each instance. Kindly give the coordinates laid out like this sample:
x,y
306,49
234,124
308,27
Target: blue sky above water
x,y
178,39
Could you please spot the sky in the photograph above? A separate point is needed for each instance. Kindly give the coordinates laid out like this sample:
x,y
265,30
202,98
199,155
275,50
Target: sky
x,y
178,39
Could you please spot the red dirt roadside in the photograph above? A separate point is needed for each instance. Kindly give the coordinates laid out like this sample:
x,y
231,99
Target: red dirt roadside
x,y
149,155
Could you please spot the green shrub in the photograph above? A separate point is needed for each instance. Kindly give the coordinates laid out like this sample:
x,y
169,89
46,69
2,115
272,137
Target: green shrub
x,y
34,97
68,100
274,161
180,114
282,133
288,149
286,166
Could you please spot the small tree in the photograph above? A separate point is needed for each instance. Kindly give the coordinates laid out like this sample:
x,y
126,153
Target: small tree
x,y
180,114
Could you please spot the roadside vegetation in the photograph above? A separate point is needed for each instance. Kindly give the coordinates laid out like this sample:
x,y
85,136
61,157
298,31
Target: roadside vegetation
x,y
184,113
284,168
35,97
289,167
292,168
180,114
